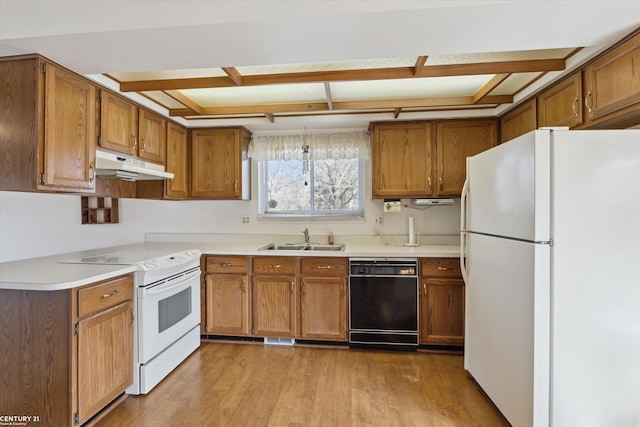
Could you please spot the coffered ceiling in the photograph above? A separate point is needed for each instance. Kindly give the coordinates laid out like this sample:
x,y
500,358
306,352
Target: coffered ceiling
x,y
286,64
391,85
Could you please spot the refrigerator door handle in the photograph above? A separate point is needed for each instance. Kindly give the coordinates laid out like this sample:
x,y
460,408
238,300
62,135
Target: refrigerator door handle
x,y
463,229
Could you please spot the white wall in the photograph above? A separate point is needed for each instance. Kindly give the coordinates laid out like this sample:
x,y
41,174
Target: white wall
x,y
33,224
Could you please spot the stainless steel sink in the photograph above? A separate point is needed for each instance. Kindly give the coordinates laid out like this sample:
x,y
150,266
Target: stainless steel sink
x,y
283,247
334,248
301,247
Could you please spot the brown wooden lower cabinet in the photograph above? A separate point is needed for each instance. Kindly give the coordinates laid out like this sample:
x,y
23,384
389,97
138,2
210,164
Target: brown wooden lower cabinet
x,y
66,354
227,295
274,295
441,302
306,298
323,299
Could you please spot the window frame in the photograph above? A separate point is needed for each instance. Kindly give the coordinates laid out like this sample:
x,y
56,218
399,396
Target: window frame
x,y
313,213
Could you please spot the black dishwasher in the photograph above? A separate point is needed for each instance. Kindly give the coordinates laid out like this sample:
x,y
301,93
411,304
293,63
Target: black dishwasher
x,y
383,303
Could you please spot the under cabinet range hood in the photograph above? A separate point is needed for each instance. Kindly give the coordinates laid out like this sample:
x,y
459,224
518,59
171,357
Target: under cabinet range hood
x,y
118,166
431,202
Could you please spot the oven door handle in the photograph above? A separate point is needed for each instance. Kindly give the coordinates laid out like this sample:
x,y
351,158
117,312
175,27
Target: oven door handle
x,y
160,289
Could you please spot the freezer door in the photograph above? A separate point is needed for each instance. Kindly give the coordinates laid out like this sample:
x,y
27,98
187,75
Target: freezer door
x,y
507,325
509,189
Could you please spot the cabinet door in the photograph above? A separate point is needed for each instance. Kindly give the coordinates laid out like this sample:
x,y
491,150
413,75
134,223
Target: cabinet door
x,y
560,105
105,358
215,164
176,188
69,131
274,306
518,121
153,137
455,141
118,124
442,311
323,308
613,81
227,306
401,160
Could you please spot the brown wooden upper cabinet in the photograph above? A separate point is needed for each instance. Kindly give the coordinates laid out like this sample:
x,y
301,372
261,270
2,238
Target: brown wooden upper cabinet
x,y
128,129
455,141
220,167
560,105
401,159
612,85
48,127
426,159
177,156
518,121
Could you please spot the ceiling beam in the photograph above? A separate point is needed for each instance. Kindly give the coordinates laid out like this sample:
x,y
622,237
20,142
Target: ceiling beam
x,y
417,69
327,91
234,75
459,101
185,100
489,86
540,65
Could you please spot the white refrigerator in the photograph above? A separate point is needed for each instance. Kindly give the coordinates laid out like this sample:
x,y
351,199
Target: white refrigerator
x,y
550,253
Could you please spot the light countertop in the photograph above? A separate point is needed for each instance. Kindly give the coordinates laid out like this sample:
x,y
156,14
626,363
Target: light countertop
x,y
53,273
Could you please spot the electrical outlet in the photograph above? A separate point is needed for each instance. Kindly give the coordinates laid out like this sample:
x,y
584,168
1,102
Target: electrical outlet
x,y
380,220
246,220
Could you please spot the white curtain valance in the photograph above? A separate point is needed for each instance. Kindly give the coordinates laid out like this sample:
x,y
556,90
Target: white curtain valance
x,y
335,145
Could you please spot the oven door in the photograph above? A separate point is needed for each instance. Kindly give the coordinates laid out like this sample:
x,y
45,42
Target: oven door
x,y
167,310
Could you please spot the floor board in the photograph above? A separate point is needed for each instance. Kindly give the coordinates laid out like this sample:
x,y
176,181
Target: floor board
x,y
224,384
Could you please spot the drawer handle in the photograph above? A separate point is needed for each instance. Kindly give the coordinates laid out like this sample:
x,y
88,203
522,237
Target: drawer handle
x,y
324,267
226,264
424,287
443,268
274,265
109,295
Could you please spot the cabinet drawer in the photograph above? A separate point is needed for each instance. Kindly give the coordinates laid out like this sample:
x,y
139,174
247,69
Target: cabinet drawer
x,y
104,295
226,264
441,267
336,267
274,265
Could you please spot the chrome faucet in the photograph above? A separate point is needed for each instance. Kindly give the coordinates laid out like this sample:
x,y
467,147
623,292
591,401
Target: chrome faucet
x,y
306,235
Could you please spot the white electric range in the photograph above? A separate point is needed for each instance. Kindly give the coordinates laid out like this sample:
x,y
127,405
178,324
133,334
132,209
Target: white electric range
x,y
167,307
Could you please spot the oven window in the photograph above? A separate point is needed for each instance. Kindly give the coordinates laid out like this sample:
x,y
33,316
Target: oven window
x,y
173,309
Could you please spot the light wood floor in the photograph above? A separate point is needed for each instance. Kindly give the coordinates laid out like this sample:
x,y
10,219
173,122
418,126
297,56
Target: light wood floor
x,y
225,384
